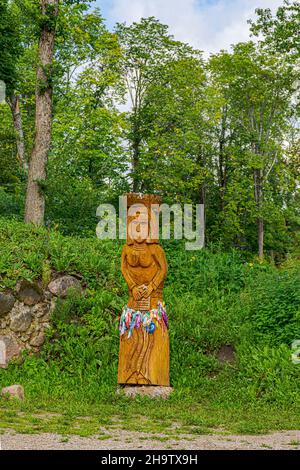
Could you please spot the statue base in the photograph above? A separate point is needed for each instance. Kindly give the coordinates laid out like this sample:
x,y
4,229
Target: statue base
x,y
151,391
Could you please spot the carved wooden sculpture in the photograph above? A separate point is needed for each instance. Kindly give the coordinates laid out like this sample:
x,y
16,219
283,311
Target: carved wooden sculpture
x,y
144,337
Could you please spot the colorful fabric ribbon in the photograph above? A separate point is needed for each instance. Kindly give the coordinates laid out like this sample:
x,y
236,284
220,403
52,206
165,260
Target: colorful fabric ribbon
x,y
148,320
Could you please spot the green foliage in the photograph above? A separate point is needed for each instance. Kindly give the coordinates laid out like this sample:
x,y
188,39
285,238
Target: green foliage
x,y
273,306
9,166
9,44
11,204
192,130
279,31
213,298
147,48
257,89
269,374
176,133
24,253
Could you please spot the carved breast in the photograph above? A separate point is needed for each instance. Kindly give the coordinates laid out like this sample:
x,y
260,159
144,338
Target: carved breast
x,y
142,258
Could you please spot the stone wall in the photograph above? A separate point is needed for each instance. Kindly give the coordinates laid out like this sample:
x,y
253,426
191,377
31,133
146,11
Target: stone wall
x,y
25,314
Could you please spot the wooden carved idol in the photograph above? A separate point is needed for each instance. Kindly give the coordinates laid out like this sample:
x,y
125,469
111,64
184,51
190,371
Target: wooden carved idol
x,y
144,337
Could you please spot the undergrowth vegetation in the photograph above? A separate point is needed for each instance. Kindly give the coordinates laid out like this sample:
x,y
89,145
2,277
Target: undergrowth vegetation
x,y
213,298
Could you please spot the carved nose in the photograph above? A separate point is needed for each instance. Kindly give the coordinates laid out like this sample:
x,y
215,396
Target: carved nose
x,y
138,228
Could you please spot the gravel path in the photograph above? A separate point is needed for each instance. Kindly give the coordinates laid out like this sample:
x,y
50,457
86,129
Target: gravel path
x,y
125,440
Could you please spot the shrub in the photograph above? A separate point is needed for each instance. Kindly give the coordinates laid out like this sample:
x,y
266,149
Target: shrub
x,y
272,305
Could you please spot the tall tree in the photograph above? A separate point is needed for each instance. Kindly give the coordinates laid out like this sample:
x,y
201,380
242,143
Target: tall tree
x,y
259,88
146,47
279,32
87,162
174,130
14,103
10,49
178,122
35,199
21,96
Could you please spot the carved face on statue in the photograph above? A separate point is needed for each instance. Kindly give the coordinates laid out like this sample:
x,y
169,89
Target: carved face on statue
x,y
138,223
144,265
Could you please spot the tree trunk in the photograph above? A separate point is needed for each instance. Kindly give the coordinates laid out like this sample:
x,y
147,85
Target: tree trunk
x,y
260,224
203,219
258,191
136,142
135,164
35,199
201,160
14,104
222,159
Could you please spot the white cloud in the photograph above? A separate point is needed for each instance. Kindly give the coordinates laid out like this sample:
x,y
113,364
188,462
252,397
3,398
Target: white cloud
x,y
209,26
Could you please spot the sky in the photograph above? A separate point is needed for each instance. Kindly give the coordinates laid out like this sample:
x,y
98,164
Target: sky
x,y
208,25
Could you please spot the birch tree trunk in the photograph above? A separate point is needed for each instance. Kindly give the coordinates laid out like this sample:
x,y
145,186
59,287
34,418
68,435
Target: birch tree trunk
x,y
35,199
135,164
258,190
203,219
202,197
222,158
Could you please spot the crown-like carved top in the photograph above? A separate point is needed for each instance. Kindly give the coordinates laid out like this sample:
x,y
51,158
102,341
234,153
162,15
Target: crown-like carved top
x,y
139,198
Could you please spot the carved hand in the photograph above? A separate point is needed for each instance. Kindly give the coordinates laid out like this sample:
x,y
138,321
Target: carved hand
x,y
138,292
148,290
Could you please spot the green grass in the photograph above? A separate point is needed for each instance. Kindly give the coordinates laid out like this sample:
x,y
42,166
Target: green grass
x,y
207,418
213,299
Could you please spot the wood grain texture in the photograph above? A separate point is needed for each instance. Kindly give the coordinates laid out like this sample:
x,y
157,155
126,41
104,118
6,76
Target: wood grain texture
x,y
144,358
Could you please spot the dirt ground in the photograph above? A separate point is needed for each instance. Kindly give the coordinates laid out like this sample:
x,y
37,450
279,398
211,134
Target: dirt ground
x,y
125,440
